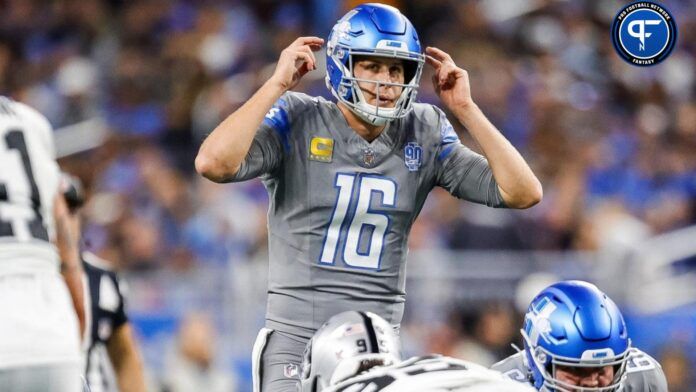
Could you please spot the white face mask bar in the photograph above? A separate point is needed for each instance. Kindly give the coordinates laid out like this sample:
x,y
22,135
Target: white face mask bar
x,y
553,384
620,375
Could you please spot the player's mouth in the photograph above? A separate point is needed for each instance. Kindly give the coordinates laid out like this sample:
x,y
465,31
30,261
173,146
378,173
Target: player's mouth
x,y
381,100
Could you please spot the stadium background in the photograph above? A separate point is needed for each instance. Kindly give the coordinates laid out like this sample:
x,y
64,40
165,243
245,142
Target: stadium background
x,y
134,86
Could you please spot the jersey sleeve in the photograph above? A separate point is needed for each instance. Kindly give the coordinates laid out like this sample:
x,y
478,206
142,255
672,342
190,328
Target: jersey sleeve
x,y
645,374
48,140
513,367
657,380
270,143
462,172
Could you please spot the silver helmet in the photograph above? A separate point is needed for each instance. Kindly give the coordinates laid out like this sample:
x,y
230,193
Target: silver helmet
x,y
347,344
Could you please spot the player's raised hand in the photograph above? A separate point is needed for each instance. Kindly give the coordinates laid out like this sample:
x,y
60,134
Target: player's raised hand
x,y
296,60
451,82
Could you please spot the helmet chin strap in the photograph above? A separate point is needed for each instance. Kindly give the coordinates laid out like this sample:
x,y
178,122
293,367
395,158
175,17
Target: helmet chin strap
x,y
371,119
361,109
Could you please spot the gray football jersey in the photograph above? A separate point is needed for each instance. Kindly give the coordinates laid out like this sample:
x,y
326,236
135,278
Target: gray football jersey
x,y
644,373
341,208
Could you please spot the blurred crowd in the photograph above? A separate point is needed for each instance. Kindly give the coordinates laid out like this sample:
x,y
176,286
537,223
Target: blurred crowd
x,y
614,145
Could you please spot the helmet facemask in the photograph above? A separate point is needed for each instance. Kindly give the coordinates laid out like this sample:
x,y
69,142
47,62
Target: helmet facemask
x,y
547,363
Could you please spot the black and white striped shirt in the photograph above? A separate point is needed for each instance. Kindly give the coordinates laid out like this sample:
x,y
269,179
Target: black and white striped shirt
x,y
105,313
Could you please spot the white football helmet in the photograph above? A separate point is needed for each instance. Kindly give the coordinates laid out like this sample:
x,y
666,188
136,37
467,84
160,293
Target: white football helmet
x,y
347,344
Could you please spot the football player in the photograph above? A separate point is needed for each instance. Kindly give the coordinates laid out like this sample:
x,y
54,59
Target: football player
x,y
359,351
40,328
108,342
347,180
432,373
575,339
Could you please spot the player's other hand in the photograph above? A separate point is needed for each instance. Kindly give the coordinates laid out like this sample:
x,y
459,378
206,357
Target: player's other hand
x,y
295,61
451,83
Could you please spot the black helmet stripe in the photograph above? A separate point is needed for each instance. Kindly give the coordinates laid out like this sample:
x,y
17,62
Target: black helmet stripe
x,y
370,332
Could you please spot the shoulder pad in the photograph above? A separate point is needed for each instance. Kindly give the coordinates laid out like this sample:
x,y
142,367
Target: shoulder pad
x,y
644,373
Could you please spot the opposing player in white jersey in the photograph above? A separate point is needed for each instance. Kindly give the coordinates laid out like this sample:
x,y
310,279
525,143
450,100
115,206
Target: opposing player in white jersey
x,y
431,373
575,340
346,180
359,351
39,330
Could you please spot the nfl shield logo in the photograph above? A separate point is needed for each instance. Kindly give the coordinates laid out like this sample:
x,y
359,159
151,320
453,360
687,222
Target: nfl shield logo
x,y
290,370
413,154
369,156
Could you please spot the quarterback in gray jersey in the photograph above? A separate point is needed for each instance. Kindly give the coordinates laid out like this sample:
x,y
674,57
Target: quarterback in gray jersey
x,y
346,180
575,339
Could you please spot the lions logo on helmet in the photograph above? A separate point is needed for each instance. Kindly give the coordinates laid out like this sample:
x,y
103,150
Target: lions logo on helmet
x,y
373,30
347,344
573,324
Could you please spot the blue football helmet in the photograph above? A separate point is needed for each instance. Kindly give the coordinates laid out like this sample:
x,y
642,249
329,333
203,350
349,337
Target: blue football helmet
x,y
373,30
574,324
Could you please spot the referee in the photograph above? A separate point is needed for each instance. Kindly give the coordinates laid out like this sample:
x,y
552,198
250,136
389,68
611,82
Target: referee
x,y
112,360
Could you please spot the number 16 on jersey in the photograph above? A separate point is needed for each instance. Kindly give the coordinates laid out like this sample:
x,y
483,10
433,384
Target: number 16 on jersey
x,y
358,219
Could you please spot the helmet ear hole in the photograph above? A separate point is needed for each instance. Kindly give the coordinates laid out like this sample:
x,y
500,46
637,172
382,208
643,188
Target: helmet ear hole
x,y
541,356
410,70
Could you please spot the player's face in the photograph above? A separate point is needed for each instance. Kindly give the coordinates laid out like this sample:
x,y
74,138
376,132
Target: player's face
x,y
592,377
380,69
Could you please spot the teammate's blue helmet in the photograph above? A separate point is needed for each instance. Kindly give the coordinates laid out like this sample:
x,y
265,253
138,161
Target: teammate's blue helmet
x,y
574,324
373,30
